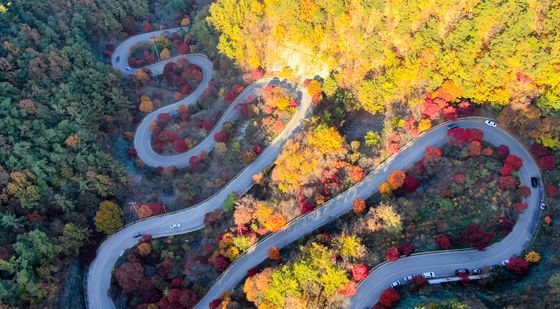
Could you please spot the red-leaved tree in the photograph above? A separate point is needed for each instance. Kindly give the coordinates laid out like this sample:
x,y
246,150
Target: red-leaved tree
x,y
406,248
392,254
389,298
443,242
517,266
514,161
475,236
130,276
548,162
410,183
359,272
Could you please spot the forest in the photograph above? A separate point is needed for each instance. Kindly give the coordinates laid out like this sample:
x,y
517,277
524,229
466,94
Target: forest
x,y
381,73
496,52
58,103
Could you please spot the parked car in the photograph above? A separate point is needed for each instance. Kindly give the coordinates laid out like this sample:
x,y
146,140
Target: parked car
x,y
490,123
462,271
476,271
174,226
408,278
504,262
534,182
429,274
395,284
542,205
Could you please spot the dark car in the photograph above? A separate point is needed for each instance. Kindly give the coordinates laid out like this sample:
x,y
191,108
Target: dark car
x,y
534,182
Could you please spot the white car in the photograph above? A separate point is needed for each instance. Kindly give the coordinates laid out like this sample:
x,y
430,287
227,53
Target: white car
x,y
174,226
395,284
490,123
504,262
408,278
429,274
128,68
542,205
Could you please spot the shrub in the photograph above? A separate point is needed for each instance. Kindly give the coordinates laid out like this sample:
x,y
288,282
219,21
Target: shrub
x,y
443,242
475,236
548,162
221,137
514,161
532,257
389,298
406,249
348,289
552,191
359,206
274,253
392,254
520,207
432,154
410,183
396,179
359,272
517,266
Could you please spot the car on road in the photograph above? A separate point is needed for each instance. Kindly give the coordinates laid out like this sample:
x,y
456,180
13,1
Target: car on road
x,y
490,123
175,225
475,271
138,235
542,205
534,182
429,274
452,126
408,278
395,284
118,59
504,262
128,68
462,271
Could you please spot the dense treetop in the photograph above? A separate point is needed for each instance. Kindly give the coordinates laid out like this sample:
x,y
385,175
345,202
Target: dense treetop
x,y
57,104
493,51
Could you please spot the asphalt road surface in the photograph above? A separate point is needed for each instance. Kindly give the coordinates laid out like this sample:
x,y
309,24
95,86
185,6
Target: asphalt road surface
x,y
442,263
191,219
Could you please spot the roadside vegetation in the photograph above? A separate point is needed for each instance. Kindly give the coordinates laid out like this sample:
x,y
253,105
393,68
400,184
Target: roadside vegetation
x,y
380,74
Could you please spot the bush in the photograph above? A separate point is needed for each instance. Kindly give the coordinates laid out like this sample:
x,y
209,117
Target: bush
x,y
389,298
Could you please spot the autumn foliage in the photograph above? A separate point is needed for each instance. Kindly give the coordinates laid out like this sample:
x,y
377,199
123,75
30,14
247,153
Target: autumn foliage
x,y
475,236
432,154
517,266
359,206
359,272
389,298
396,179
443,242
392,254
274,253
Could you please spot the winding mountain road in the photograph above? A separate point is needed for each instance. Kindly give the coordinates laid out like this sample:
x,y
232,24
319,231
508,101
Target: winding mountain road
x,y
99,275
440,262
191,219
